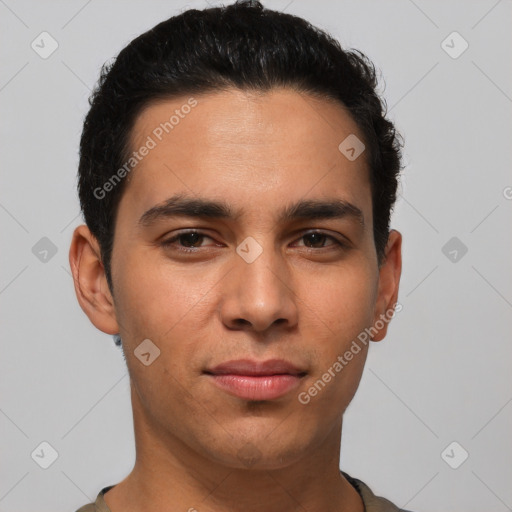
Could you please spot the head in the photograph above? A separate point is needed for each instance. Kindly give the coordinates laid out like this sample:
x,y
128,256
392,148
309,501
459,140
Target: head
x,y
237,175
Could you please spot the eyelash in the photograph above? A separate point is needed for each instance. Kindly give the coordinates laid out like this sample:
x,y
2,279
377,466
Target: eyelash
x,y
170,242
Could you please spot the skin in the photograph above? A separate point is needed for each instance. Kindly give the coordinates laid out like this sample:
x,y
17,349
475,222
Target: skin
x,y
303,300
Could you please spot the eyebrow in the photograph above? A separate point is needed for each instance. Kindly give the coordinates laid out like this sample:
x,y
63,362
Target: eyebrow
x,y
183,206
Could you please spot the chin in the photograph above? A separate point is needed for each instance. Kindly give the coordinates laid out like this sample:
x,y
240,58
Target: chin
x,y
258,454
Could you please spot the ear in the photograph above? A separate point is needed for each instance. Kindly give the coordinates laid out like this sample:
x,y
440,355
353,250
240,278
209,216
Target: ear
x,y
91,285
389,279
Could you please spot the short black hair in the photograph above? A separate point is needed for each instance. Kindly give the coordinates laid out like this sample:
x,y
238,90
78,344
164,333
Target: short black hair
x,y
246,46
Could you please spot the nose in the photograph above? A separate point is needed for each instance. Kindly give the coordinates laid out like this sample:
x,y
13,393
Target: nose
x,y
259,295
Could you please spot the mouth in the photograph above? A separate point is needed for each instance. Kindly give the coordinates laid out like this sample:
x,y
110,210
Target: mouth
x,y
253,380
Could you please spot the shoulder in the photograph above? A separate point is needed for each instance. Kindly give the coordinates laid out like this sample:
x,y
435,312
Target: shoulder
x,y
372,503
90,507
99,505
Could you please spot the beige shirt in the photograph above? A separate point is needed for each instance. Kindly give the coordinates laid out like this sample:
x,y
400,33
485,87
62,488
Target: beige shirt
x,y
371,502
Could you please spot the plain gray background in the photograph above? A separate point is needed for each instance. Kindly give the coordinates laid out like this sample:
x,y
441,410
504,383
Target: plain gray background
x,y
442,374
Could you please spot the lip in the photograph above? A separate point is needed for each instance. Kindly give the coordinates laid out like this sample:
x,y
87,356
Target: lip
x,y
256,380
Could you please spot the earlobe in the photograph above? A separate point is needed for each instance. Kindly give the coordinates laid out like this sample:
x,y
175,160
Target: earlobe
x,y
389,280
90,282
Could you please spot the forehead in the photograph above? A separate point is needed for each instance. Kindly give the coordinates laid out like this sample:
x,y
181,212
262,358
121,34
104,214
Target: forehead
x,y
253,149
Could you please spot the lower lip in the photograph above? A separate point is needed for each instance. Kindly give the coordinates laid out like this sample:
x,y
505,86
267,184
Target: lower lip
x,y
250,387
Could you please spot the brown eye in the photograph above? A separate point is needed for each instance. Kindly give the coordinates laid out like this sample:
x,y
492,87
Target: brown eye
x,y
317,240
190,241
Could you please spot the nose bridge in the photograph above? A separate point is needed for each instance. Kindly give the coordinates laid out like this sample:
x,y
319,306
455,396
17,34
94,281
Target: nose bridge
x,y
258,272
259,294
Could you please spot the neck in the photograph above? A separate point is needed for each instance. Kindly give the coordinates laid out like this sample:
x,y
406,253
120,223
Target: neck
x,y
168,475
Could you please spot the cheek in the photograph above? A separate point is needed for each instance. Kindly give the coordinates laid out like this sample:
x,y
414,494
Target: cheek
x,y
343,301
341,308
154,297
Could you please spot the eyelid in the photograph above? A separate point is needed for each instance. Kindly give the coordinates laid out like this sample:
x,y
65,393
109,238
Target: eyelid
x,y
190,231
343,243
299,235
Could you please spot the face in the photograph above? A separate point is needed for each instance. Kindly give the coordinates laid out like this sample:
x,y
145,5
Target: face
x,y
244,252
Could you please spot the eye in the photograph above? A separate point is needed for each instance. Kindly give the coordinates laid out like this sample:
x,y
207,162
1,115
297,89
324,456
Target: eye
x,y
317,239
189,241
192,241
